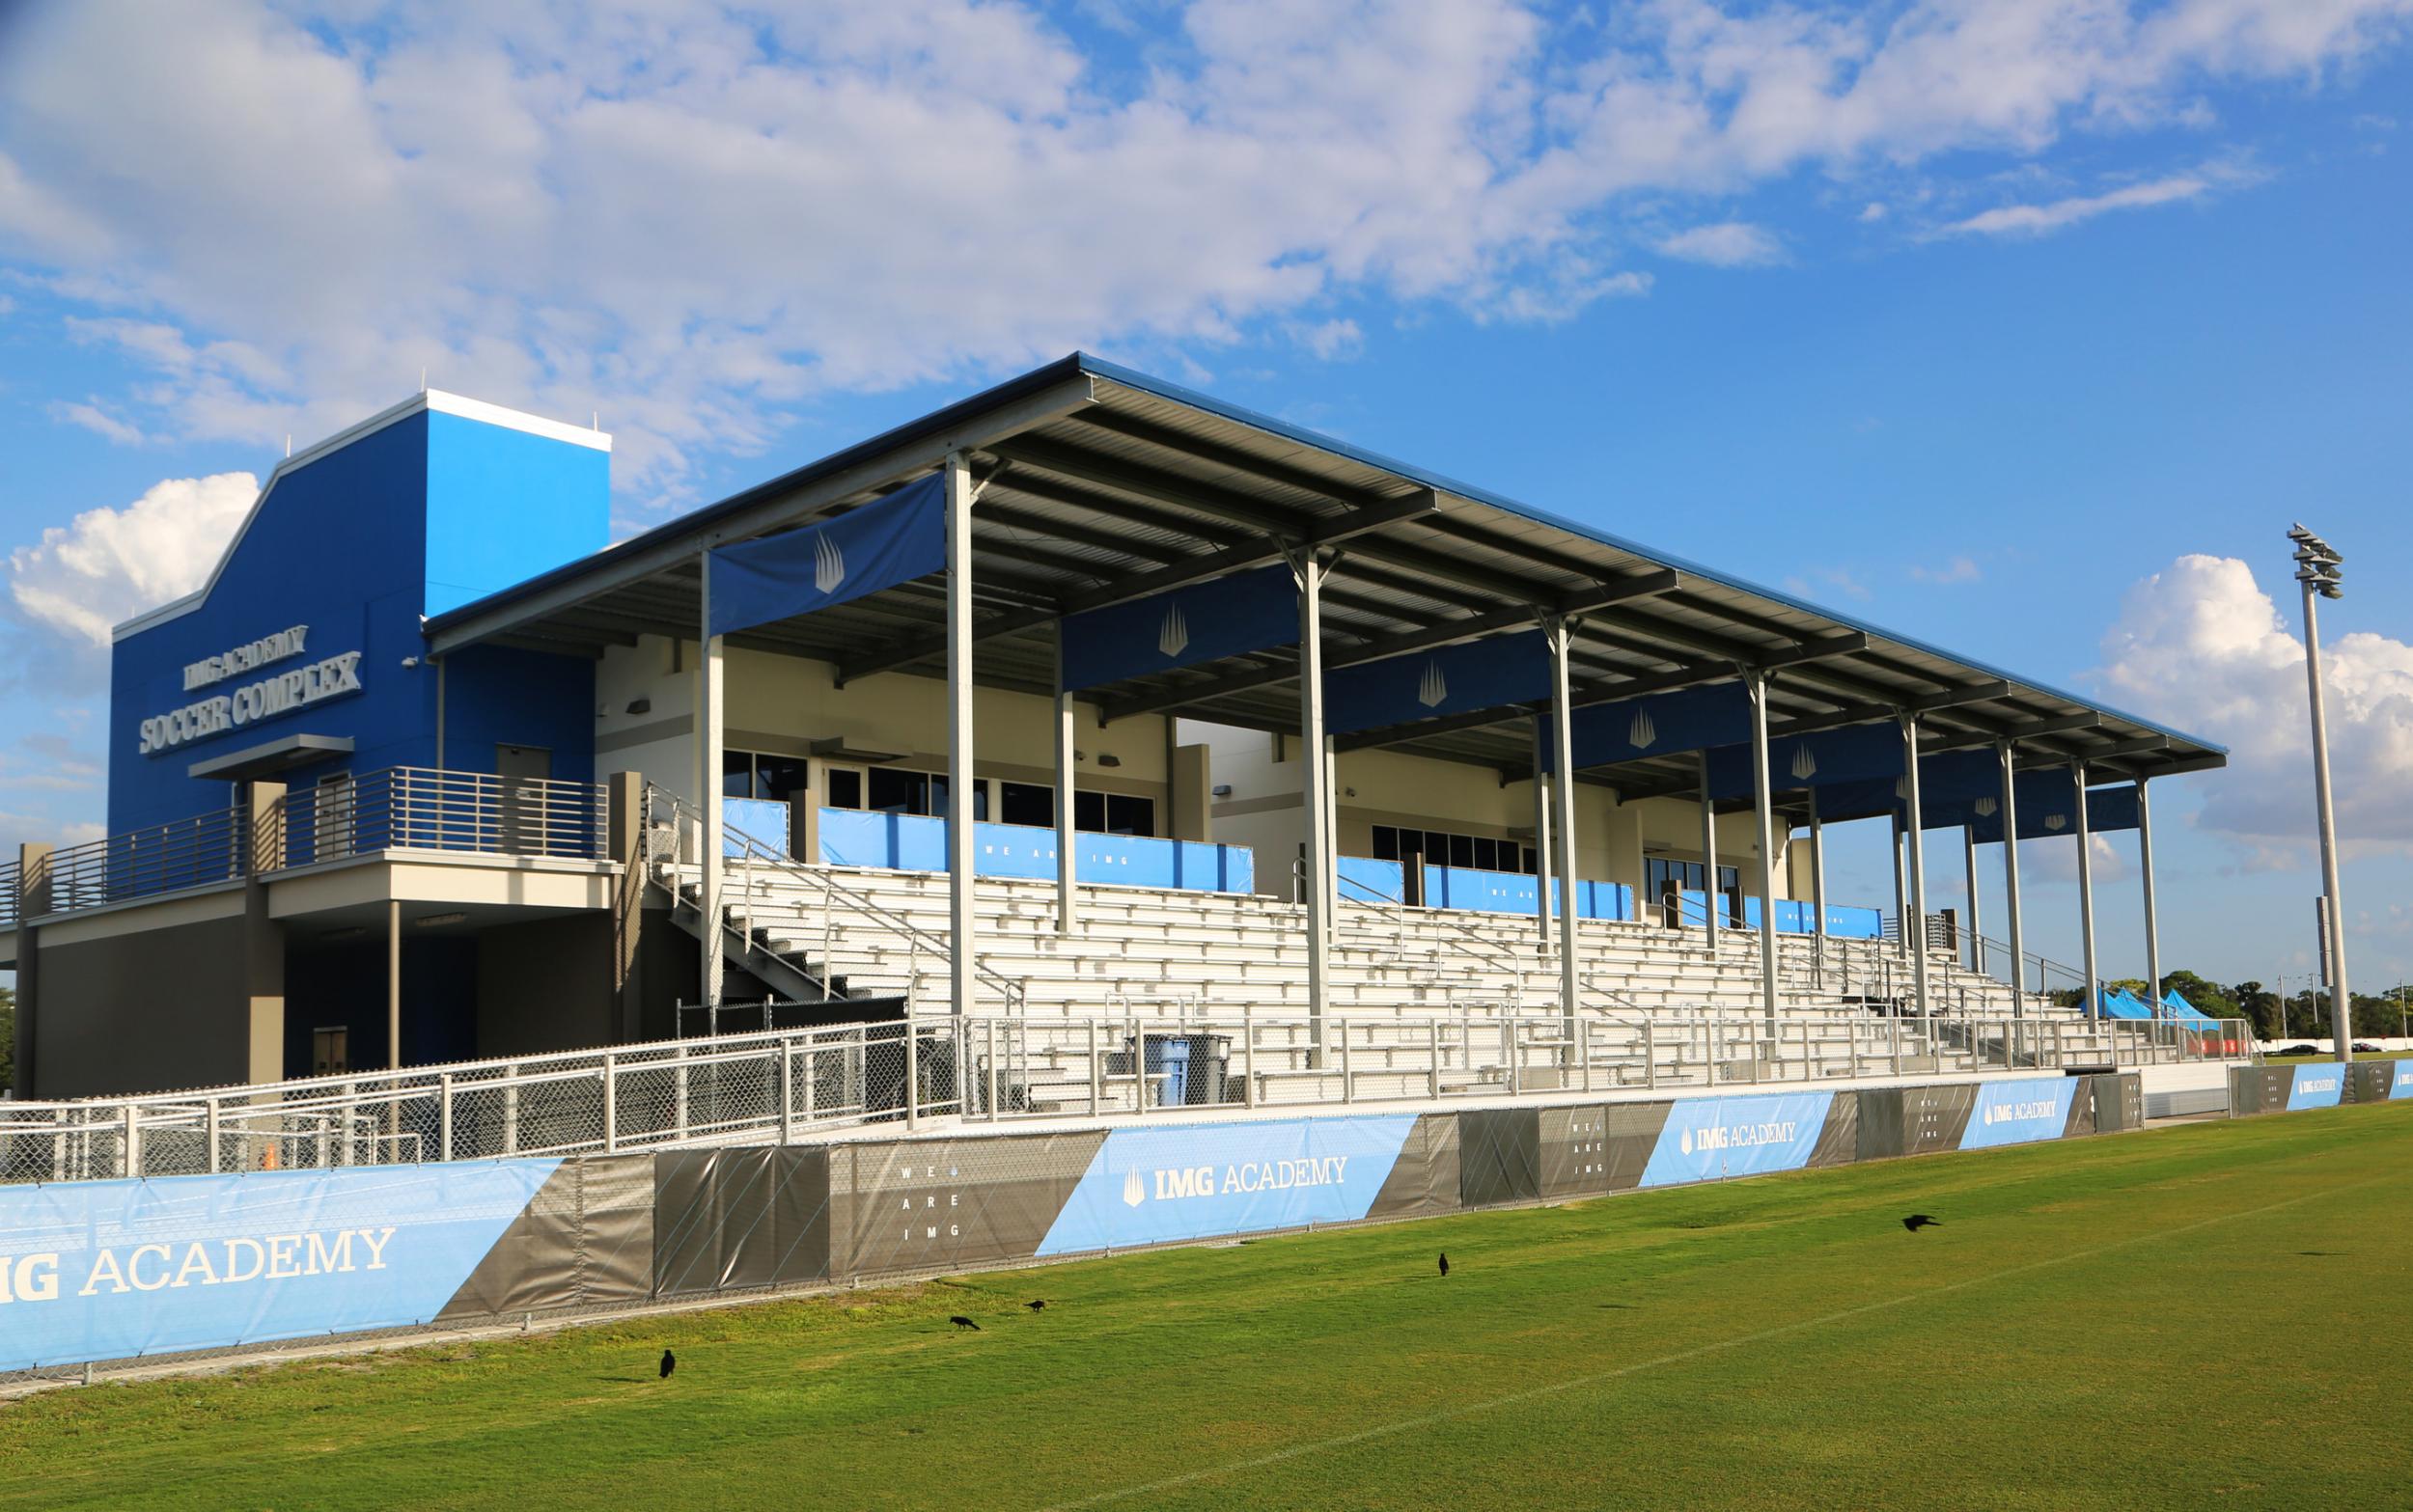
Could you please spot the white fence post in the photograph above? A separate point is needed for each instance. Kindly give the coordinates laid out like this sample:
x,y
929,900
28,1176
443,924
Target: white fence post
x,y
213,1118
786,1091
131,1149
611,1104
1248,1055
444,1116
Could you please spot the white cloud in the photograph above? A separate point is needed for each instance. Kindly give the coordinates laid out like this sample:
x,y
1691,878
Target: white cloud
x,y
2202,648
1725,244
695,221
1960,569
2036,220
1331,340
111,564
1872,211
1841,580
89,416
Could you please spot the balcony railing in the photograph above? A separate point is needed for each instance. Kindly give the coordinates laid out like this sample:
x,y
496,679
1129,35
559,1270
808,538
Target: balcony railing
x,y
400,808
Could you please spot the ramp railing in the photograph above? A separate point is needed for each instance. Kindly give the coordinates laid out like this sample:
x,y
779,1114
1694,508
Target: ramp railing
x,y
779,1087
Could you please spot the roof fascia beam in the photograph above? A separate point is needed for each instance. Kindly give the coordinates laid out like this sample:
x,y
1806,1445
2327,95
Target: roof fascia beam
x,y
1447,633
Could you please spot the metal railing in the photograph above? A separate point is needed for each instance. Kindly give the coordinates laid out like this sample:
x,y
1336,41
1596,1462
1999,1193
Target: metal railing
x,y
407,807
392,809
737,1088
765,1088
752,874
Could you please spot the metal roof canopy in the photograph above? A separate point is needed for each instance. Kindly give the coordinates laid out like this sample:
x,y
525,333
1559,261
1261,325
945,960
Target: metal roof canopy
x,y
1100,484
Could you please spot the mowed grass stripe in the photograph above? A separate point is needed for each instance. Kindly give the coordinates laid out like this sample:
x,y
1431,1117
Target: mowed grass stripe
x,y
2029,1373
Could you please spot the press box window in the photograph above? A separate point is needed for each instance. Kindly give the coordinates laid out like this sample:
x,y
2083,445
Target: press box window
x,y
1112,813
1028,803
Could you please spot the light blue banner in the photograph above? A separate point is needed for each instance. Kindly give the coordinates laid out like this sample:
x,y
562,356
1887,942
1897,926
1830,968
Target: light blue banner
x,y
1709,1138
1185,626
886,542
2317,1086
912,842
1454,679
2402,1086
108,1270
1196,1181
1366,880
2018,1111
1477,891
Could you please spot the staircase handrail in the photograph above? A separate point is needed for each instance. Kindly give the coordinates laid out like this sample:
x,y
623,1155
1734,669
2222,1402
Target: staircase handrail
x,y
833,891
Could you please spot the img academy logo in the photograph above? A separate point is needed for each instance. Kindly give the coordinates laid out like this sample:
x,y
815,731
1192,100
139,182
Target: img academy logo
x,y
1718,1136
829,565
2021,1112
1175,1183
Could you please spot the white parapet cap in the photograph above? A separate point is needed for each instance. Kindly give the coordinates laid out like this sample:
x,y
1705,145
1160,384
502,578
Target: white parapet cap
x,y
426,400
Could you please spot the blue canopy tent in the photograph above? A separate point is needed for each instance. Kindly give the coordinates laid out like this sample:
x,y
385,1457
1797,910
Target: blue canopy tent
x,y
2121,1004
2179,1010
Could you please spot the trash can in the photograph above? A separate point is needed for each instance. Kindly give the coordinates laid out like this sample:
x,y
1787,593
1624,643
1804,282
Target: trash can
x,y
1207,1066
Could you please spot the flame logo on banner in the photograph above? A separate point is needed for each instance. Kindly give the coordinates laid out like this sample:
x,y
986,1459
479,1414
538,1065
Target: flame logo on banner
x,y
1434,688
1985,807
1172,638
1805,765
829,565
2054,822
1134,1191
1684,1141
1642,732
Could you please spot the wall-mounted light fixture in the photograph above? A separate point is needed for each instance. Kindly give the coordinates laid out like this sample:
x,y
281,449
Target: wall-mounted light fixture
x,y
1222,790
1109,758
640,706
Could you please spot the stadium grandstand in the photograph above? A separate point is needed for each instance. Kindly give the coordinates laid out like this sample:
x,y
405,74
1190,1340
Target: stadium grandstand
x,y
1297,776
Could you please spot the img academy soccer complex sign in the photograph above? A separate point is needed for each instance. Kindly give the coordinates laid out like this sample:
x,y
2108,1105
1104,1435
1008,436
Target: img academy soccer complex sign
x,y
299,688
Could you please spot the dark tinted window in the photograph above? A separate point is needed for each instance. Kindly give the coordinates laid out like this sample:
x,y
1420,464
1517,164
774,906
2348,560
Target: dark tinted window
x,y
1028,803
845,790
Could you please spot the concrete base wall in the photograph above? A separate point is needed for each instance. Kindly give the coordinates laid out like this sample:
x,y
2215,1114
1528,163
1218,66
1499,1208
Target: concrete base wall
x,y
147,1012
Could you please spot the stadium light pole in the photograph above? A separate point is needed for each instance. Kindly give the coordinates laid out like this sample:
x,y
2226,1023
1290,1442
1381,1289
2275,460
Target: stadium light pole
x,y
2319,571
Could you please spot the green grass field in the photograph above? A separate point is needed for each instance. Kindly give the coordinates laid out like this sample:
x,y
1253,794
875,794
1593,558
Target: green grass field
x,y
2141,1321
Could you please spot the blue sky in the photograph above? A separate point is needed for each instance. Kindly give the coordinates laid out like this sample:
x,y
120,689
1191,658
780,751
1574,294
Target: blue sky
x,y
2023,329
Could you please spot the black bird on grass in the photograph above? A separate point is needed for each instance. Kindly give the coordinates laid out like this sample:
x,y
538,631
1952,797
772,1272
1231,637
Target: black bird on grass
x,y
1918,1221
962,1322
670,1363
1445,1262
1040,1305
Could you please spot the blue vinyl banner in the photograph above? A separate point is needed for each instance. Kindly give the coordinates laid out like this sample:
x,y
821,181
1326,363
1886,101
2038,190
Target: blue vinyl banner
x,y
2054,809
108,1270
886,542
1186,626
2017,1112
1821,760
1197,1181
1709,1138
1490,673
1477,891
2401,1084
1656,724
2315,1087
912,842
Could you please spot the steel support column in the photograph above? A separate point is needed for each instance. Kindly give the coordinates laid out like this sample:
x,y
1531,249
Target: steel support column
x,y
1709,894
963,931
1545,867
1764,818
1818,886
1915,931
2010,882
2153,928
1308,568
1560,632
1067,867
1977,932
2086,892
710,714
394,984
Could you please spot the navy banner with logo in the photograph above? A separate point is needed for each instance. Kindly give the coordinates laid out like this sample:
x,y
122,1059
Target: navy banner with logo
x,y
1454,679
1185,626
2053,808
1821,759
894,541
1657,723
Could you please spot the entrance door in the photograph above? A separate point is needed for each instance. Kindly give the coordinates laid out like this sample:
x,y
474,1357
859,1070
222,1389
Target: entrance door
x,y
330,1052
1412,868
525,771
